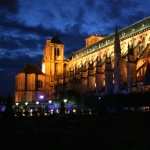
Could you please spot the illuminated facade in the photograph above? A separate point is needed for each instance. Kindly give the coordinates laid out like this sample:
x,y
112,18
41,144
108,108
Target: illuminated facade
x,y
30,84
116,63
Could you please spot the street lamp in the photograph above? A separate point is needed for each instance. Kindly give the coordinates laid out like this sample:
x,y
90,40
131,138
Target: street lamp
x,y
50,101
65,100
17,103
26,103
37,102
74,110
99,98
41,97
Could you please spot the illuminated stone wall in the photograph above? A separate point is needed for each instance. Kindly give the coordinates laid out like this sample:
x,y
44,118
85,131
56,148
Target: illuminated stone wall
x,y
137,34
109,49
27,86
20,87
92,40
86,70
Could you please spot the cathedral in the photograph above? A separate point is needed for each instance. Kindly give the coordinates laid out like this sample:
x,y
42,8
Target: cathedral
x,y
113,64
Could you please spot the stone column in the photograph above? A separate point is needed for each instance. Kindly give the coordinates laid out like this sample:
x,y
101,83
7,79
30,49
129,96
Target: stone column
x,y
108,76
100,76
91,77
84,78
131,69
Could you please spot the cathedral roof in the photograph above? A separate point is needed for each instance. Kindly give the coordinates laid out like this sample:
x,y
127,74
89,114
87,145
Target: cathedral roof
x,y
29,68
56,40
124,33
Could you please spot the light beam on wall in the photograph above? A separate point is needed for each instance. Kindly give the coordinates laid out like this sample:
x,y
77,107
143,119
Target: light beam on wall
x,y
43,67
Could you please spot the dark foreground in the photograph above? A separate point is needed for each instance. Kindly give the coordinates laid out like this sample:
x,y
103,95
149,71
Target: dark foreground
x,y
125,131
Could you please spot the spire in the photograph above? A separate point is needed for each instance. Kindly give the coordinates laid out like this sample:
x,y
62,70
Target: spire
x,y
117,71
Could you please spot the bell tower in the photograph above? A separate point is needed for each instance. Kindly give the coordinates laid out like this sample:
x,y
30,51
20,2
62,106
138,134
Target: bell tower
x,y
53,64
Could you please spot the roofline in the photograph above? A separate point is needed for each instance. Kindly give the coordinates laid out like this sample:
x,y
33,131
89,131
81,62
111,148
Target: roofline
x,y
111,35
98,35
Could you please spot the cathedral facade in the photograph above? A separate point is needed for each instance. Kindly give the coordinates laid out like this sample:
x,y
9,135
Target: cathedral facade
x,y
118,63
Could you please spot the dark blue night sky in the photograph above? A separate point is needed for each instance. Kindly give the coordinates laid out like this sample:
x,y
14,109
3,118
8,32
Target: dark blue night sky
x,y
26,24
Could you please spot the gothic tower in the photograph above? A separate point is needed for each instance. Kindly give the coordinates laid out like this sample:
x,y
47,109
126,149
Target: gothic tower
x,y
131,69
53,64
108,76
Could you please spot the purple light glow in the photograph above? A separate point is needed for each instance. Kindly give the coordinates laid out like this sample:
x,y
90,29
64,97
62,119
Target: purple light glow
x,y
2,108
41,96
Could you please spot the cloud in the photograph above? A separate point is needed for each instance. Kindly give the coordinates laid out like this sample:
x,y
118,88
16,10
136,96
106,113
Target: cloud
x,y
10,67
23,28
17,63
11,6
25,25
116,7
90,3
13,43
80,17
71,35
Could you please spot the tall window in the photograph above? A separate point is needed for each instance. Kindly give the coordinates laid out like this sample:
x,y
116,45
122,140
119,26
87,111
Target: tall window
x,y
56,68
39,84
57,52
